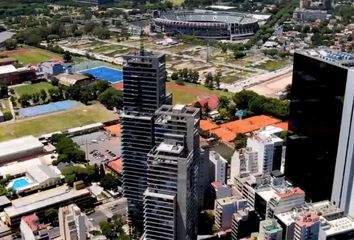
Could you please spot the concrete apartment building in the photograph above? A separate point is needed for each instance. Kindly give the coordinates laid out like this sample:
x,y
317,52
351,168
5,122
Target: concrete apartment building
x,y
307,227
270,230
218,170
320,147
170,200
144,92
72,223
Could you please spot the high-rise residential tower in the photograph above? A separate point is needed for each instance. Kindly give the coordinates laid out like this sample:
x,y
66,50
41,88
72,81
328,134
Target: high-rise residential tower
x,y
170,205
319,156
144,77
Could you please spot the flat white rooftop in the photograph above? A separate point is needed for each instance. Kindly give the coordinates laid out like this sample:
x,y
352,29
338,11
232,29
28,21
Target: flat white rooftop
x,y
7,69
337,226
22,144
43,199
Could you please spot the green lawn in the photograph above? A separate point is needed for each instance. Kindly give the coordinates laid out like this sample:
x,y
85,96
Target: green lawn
x,y
181,97
33,88
273,65
33,56
56,122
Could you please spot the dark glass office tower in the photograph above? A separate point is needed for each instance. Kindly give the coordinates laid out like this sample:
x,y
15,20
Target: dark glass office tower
x,y
144,92
320,112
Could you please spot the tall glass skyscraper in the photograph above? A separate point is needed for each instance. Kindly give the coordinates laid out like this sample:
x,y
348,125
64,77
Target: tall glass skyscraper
x,y
171,207
319,156
144,77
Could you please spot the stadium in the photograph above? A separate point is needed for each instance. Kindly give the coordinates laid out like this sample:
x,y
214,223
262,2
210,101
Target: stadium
x,y
206,24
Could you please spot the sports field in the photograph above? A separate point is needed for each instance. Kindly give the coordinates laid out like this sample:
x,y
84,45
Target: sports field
x,y
105,73
33,88
32,55
181,96
56,122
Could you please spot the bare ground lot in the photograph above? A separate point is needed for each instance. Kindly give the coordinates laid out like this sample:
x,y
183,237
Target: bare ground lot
x,y
273,87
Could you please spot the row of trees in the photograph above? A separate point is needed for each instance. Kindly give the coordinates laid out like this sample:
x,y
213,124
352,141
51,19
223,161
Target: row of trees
x,y
213,81
186,75
257,104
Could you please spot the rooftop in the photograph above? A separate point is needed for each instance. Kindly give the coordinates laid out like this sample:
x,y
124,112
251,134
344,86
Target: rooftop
x,y
7,69
224,134
250,124
169,148
114,129
227,200
71,79
5,36
331,56
8,60
308,219
19,145
116,165
337,226
207,125
43,199
33,222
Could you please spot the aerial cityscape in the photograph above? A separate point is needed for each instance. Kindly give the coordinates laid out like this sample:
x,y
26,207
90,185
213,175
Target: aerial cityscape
x,y
177,119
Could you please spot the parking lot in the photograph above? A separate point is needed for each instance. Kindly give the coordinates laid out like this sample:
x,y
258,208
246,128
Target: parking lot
x,y
99,146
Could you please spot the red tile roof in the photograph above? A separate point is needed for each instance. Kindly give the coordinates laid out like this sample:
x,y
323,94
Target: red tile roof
x,y
207,125
114,129
116,165
224,134
250,124
33,222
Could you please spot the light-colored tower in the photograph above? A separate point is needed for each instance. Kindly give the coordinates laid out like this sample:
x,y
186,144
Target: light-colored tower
x,y
170,200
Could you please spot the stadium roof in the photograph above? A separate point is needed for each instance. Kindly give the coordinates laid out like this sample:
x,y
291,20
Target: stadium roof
x,y
208,16
19,145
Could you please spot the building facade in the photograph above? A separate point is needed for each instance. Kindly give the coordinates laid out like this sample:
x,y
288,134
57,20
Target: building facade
x,y
72,223
320,145
170,203
144,92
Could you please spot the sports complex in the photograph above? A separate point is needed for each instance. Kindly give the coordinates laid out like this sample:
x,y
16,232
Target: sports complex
x,y
206,24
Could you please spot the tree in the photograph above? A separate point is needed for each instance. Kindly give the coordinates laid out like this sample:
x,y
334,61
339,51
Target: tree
x,y
209,80
3,90
43,95
241,141
67,56
174,76
7,116
109,182
24,100
111,98
50,214
36,97
239,54
113,229
11,44
224,102
217,80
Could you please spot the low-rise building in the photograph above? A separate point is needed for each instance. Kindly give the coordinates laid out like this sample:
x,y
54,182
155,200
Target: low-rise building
x,y
11,75
5,35
2,118
309,15
51,68
8,61
307,227
75,79
39,202
32,229
19,148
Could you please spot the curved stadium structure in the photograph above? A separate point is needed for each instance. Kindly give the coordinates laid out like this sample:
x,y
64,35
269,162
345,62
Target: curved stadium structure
x,y
206,24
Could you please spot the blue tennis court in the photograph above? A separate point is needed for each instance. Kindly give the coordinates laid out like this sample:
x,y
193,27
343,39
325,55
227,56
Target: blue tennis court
x,y
48,108
105,73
